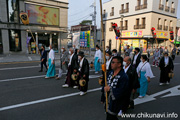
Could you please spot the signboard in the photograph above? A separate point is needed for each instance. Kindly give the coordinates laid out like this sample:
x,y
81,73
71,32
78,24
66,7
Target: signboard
x,y
42,15
132,34
85,39
92,42
160,34
76,37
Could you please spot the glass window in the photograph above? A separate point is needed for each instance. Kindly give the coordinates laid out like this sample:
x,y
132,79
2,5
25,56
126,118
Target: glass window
x,y
14,40
13,10
1,45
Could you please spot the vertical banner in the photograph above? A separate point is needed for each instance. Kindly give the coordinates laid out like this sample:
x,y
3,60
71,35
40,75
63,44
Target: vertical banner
x,y
76,38
85,39
92,42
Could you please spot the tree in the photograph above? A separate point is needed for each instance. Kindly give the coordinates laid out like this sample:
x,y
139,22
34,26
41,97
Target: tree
x,y
86,22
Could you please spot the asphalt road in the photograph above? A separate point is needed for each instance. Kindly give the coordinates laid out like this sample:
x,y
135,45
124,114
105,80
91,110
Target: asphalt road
x,y
26,95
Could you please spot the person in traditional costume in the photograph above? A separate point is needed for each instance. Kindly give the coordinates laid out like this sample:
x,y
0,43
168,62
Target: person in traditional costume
x,y
173,53
117,88
156,57
97,59
63,61
133,84
145,74
136,58
166,66
51,62
83,73
166,50
149,53
72,69
108,68
43,58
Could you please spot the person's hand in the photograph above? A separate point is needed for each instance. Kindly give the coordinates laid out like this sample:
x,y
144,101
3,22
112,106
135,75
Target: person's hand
x,y
53,62
75,70
84,76
148,79
63,63
134,90
42,60
98,60
107,89
78,73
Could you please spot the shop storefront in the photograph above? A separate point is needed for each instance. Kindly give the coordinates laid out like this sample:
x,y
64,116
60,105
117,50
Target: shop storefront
x,y
15,40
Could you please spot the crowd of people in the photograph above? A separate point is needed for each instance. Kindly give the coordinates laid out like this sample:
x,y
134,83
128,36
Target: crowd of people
x,y
126,76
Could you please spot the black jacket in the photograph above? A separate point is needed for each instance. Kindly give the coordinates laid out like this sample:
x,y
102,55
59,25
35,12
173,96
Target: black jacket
x,y
74,63
170,64
85,69
138,60
133,78
44,55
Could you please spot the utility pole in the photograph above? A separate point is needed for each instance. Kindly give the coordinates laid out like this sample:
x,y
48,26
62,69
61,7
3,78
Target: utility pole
x,y
94,19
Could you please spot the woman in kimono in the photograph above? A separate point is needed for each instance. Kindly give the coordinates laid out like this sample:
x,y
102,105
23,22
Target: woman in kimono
x,y
145,74
83,72
166,66
51,62
97,59
156,57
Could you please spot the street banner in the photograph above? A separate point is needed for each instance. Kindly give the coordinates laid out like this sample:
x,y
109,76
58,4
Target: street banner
x,y
85,39
132,34
92,42
28,40
76,37
160,34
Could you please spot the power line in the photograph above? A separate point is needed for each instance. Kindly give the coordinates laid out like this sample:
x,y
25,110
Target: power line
x,y
82,11
80,18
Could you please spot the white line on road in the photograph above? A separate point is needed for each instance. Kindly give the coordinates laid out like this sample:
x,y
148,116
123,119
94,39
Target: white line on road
x,y
30,58
15,68
44,100
33,77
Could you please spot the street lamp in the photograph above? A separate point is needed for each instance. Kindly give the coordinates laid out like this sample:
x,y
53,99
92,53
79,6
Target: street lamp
x,y
122,16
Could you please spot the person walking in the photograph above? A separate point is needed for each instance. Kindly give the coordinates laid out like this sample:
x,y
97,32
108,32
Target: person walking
x,y
166,66
117,88
97,59
136,58
83,73
173,53
43,58
156,57
144,74
51,62
63,61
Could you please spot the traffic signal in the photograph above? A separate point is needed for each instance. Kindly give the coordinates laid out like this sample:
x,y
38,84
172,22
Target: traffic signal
x,y
171,35
153,32
116,29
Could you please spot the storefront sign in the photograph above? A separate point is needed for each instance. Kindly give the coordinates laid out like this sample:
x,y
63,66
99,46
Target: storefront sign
x,y
85,39
160,34
92,42
76,37
132,34
42,15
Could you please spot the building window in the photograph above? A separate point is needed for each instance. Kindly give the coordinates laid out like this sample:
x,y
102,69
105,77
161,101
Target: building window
x,y
143,25
167,2
159,27
1,45
145,2
13,10
111,28
14,40
126,25
121,25
112,11
165,25
137,24
171,26
138,7
172,8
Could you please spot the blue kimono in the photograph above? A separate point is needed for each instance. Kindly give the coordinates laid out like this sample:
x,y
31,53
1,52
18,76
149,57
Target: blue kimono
x,y
51,70
118,91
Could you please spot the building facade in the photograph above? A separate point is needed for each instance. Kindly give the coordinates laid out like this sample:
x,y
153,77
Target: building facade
x,y
48,25
135,19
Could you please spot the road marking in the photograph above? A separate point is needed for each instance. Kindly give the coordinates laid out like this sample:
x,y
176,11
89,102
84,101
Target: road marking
x,y
45,100
33,77
174,92
15,68
30,58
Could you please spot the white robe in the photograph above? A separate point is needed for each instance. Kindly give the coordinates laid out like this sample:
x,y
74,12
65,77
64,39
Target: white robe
x,y
146,68
98,54
52,55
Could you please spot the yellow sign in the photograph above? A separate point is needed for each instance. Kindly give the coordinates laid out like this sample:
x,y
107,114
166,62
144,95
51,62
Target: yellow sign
x,y
132,34
24,18
160,34
42,15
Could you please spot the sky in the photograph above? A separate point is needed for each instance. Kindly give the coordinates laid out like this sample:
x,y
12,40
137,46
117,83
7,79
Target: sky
x,y
80,10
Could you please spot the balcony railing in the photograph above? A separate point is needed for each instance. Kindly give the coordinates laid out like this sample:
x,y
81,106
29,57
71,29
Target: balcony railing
x,y
125,27
138,7
159,27
167,9
111,29
121,11
112,14
166,28
124,11
136,26
170,28
143,6
143,26
172,10
161,7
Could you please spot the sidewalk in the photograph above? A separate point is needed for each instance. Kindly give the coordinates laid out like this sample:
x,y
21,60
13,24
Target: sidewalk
x,y
33,57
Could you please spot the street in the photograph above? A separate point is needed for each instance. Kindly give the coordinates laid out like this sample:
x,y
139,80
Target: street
x,y
26,95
